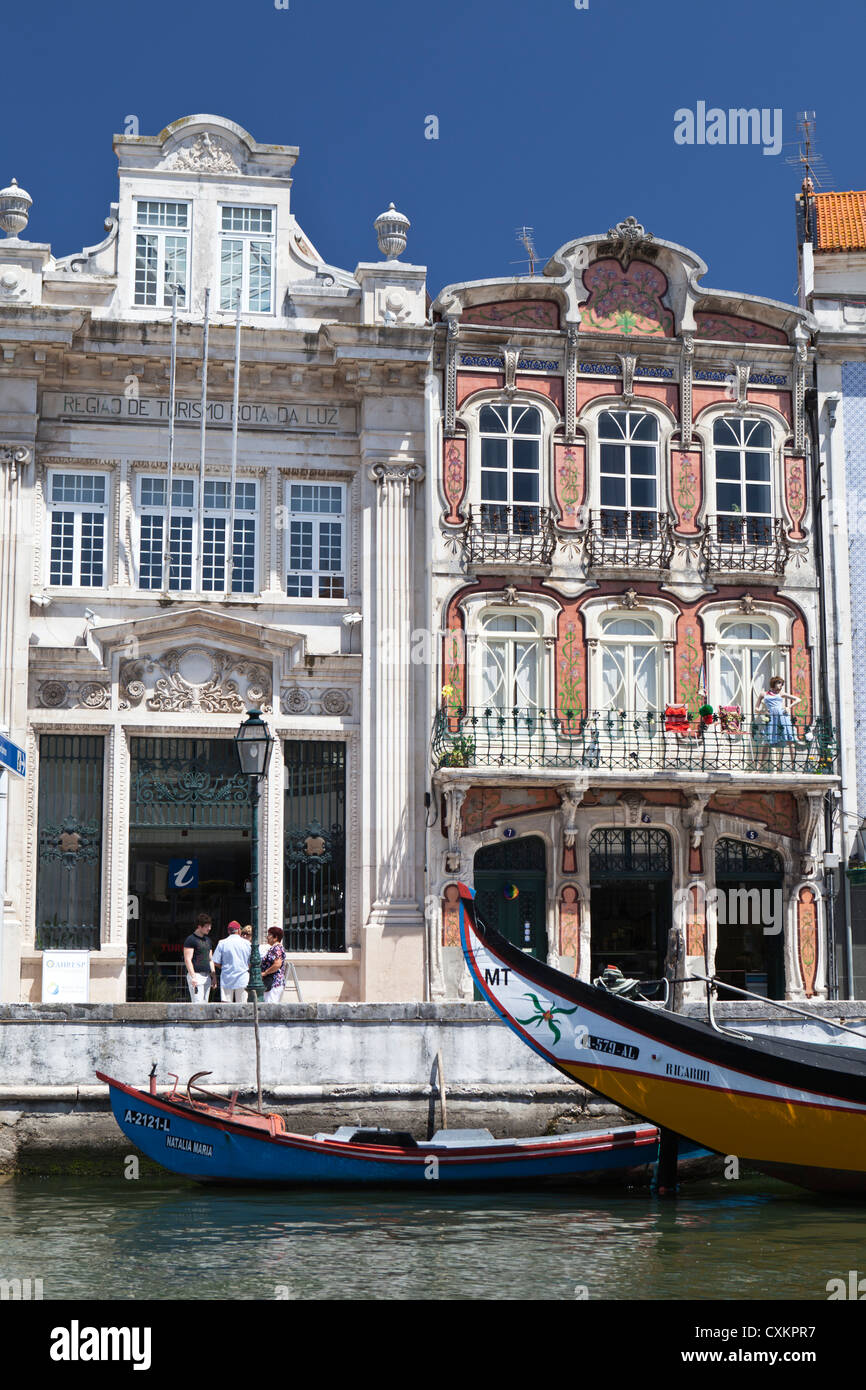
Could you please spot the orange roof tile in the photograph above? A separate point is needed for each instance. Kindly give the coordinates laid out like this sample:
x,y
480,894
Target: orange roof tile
x,y
841,221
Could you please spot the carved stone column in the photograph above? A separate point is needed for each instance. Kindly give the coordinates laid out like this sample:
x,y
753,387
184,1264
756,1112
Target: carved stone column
x,y
16,556
396,905
12,458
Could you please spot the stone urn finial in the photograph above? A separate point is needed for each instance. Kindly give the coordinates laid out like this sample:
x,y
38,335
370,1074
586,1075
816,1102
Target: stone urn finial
x,y
15,205
391,228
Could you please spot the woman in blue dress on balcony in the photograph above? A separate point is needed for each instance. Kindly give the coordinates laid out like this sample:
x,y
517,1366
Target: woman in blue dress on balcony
x,y
780,728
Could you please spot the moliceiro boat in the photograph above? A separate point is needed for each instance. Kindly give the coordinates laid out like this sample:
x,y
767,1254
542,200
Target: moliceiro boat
x,y
203,1137
791,1109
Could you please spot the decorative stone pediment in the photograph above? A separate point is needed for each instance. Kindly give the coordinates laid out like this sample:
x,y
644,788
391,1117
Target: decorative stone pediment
x,y
188,661
205,153
195,679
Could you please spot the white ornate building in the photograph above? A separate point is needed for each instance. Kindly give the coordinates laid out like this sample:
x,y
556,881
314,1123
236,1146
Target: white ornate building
x,y
148,603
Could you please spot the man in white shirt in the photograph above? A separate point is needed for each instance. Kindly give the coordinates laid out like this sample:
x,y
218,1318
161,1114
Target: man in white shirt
x,y
232,959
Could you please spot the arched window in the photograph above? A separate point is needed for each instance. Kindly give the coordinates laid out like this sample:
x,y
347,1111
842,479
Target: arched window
x,y
630,665
744,493
511,661
510,468
746,663
628,473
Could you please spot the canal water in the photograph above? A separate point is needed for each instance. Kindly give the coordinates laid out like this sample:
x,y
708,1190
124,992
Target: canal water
x,y
114,1240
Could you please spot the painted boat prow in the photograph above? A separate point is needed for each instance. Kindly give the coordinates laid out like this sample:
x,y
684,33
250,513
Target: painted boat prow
x,y
793,1109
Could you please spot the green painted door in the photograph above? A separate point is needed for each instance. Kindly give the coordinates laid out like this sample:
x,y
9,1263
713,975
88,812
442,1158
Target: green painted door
x,y
511,892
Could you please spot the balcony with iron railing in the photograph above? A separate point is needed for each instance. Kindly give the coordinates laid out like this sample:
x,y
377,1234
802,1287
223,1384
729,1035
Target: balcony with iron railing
x,y
626,741
639,539
757,544
501,534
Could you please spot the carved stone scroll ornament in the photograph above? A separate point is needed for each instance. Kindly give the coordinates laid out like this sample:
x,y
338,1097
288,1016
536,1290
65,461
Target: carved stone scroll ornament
x,y
571,798
15,455
697,805
629,362
401,475
454,799
810,806
512,356
633,803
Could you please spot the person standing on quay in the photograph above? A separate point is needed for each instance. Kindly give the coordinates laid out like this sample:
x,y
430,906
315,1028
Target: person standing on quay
x,y
232,959
198,959
274,967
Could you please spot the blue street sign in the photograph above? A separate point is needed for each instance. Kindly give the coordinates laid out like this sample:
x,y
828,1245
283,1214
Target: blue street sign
x,y
13,757
183,873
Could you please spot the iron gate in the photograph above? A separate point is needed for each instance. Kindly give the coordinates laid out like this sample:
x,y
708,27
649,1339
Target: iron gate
x,y
315,846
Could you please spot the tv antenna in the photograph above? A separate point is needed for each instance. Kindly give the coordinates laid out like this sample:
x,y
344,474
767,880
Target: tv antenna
x,y
526,237
815,170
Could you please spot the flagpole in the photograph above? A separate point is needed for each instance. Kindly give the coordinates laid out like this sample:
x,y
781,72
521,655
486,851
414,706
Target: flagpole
x,y
172,372
201,453
230,543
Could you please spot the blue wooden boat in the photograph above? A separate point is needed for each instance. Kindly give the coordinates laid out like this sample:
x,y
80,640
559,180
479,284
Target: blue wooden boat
x,y
211,1140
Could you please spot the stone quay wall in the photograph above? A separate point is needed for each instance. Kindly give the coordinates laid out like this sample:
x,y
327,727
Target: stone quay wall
x,y
322,1065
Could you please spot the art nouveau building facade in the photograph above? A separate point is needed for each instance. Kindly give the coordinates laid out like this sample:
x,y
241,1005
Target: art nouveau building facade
x,y
623,557
147,604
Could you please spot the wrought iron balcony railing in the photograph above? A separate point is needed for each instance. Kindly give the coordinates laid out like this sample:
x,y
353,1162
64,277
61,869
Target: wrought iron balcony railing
x,y
501,534
629,538
755,543
65,936
481,736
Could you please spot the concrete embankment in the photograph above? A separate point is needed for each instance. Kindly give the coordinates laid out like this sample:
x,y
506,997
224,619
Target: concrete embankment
x,y
322,1065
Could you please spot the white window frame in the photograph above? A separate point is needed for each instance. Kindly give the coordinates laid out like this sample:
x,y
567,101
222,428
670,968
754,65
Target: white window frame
x,y
629,475
490,520
76,511
646,643
769,647
247,238
198,516
666,423
162,232
296,516
469,416
746,425
507,642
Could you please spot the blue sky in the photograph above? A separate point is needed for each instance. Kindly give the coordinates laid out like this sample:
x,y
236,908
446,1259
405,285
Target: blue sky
x,y
548,115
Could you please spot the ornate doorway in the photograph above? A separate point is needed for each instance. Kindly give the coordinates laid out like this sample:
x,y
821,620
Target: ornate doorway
x,y
189,851
750,915
630,894
511,892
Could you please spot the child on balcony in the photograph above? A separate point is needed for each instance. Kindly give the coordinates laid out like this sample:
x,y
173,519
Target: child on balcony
x,y
780,729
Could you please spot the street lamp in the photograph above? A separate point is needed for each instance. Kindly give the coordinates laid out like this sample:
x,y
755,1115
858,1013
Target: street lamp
x,y
254,742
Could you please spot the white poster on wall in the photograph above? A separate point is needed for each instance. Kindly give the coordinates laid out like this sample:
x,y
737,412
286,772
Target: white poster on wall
x,y
65,977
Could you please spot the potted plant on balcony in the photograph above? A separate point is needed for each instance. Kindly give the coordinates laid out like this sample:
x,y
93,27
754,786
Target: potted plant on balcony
x,y
460,754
